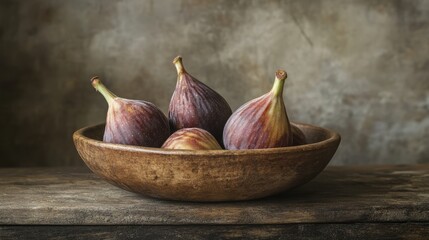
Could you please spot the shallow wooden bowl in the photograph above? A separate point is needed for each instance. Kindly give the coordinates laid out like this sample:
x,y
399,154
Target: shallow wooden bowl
x,y
216,175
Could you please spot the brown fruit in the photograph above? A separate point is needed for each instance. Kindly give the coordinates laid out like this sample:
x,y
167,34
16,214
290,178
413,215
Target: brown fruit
x,y
132,122
194,104
261,122
191,139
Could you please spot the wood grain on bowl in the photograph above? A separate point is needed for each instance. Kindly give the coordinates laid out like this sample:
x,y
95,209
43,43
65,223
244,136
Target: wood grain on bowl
x,y
214,175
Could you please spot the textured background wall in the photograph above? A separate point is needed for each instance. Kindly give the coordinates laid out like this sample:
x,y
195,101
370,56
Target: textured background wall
x,y
359,67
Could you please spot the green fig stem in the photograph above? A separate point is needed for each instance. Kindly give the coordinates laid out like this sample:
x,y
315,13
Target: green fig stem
x,y
179,65
279,82
107,94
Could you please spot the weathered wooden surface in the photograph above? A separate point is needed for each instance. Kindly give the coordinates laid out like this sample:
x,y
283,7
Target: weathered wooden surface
x,y
365,231
339,195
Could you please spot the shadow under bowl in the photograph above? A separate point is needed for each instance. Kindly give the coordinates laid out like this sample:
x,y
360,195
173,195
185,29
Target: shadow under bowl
x,y
207,176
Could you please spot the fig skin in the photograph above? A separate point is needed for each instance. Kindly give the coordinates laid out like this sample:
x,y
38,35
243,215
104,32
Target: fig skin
x,y
191,139
132,122
261,122
195,105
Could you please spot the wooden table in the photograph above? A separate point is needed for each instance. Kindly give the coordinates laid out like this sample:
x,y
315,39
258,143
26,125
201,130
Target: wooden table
x,y
368,202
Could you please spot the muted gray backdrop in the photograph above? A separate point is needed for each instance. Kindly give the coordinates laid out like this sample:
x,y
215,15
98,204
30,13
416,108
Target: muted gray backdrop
x,y
358,67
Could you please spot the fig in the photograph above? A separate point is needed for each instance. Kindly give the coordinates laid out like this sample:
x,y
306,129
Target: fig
x,y
191,139
261,122
132,122
195,105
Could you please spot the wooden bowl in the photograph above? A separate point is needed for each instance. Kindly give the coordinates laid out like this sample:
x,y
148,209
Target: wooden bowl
x,y
207,176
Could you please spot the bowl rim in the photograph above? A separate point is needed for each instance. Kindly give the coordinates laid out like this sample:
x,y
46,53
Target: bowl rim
x,y
332,138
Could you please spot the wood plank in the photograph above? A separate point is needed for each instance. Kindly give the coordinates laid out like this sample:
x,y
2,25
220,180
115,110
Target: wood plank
x,y
193,232
338,195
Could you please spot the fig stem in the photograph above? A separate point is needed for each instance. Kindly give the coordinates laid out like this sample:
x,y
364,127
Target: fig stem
x,y
179,65
279,82
107,94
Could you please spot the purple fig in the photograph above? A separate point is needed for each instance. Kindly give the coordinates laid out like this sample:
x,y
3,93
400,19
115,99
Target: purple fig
x,y
261,122
194,104
192,139
298,136
132,122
